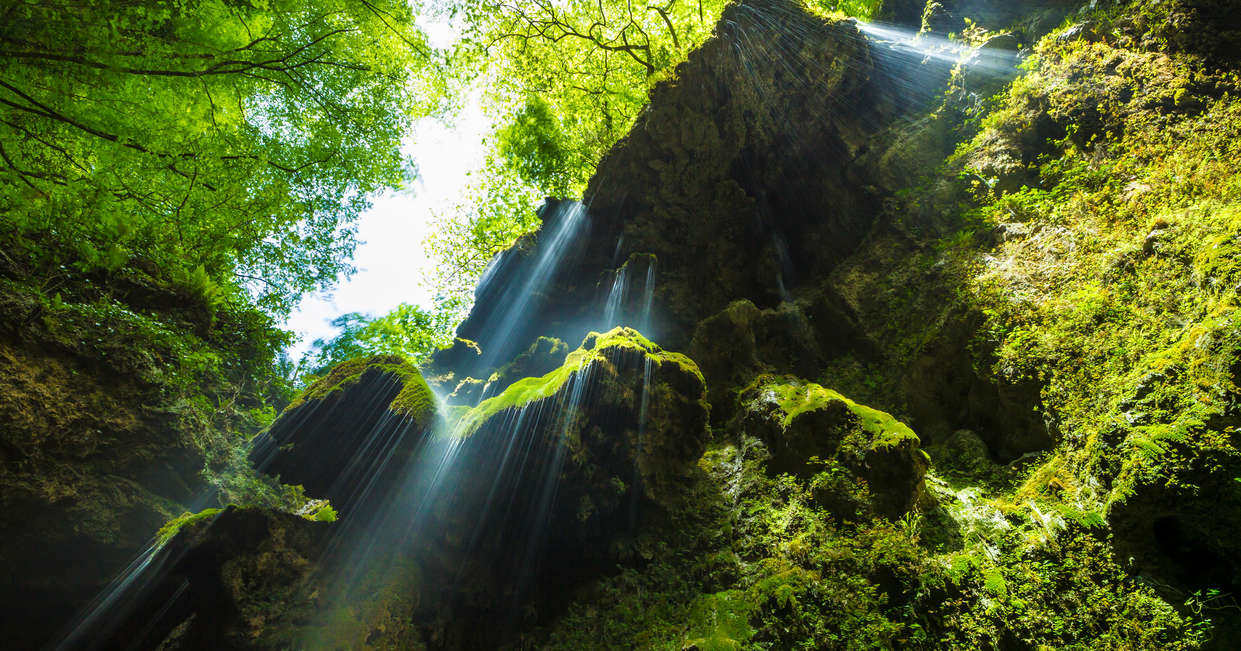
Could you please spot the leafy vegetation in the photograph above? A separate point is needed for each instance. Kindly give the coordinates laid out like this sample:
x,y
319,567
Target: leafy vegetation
x,y
1121,308
407,331
174,178
226,147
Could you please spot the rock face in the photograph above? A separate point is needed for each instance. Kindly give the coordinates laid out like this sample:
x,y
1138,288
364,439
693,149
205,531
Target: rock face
x,y
626,416
767,140
561,472
98,447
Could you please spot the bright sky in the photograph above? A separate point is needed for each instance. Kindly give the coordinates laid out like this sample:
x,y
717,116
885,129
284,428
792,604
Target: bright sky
x,y
390,258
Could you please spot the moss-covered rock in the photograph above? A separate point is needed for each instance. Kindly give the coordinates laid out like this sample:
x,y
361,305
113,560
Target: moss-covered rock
x,y
543,356
631,415
110,421
365,416
244,568
806,426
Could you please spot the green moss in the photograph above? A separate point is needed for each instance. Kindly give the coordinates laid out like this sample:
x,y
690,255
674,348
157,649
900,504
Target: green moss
x,y
595,347
796,398
170,529
325,514
415,399
721,621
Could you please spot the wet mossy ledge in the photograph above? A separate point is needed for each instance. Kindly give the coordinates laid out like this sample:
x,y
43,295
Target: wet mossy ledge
x,y
795,398
603,348
415,399
174,526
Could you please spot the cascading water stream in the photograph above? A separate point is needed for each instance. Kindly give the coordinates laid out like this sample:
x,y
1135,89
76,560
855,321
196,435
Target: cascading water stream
x,y
643,408
786,265
501,326
621,308
648,299
612,309
931,47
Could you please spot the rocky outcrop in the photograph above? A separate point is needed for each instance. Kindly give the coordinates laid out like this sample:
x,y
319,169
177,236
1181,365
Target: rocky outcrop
x,y
794,337
627,416
352,428
809,429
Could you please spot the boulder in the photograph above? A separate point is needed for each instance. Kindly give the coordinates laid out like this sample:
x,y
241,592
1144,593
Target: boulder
x,y
809,429
363,420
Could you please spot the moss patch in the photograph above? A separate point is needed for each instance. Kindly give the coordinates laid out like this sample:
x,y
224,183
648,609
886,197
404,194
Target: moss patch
x,y
415,399
174,526
796,398
595,347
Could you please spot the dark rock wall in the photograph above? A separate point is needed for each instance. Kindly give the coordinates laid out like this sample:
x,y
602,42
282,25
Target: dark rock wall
x,y
746,178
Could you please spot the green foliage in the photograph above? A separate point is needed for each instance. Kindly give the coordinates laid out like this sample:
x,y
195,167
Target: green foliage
x,y
533,147
407,331
862,9
228,145
173,176
1069,593
237,482
589,63
173,526
325,514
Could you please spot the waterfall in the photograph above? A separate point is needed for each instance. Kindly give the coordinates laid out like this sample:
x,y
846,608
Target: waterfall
x,y
516,300
648,298
622,308
611,310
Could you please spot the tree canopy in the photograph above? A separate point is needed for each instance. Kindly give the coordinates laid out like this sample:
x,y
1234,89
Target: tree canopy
x,y
566,80
408,330
233,139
